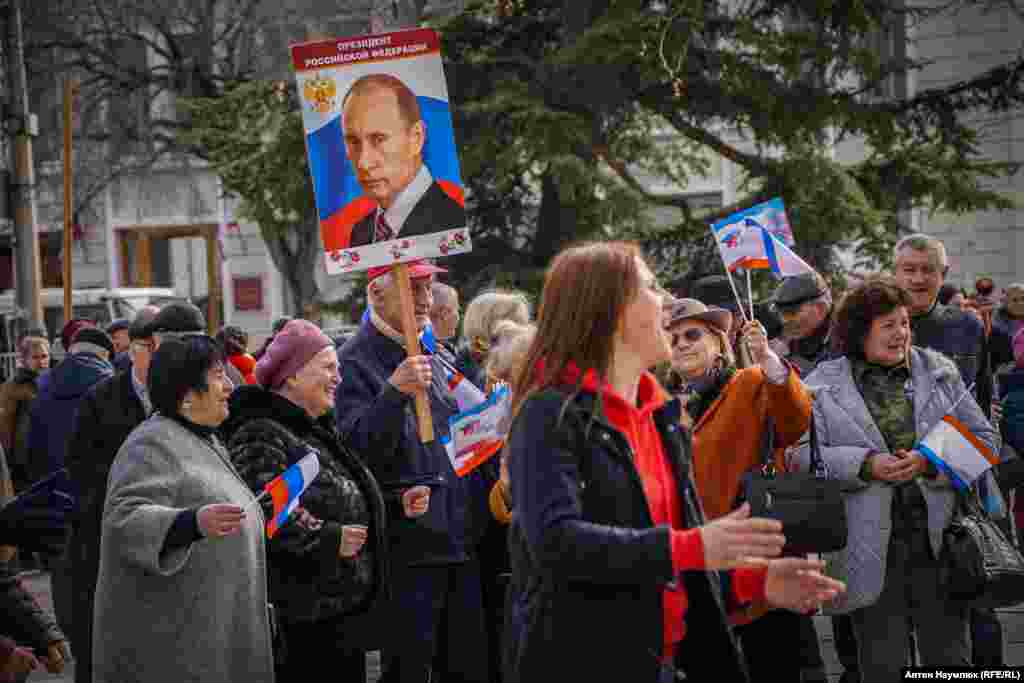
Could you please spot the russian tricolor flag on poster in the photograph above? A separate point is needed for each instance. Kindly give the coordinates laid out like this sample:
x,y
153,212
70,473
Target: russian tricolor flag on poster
x,y
325,71
286,489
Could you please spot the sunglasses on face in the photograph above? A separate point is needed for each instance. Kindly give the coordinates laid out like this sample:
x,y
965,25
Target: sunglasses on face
x,y
692,335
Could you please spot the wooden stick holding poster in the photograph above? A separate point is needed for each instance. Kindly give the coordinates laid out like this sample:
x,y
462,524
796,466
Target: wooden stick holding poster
x,y
382,155
412,348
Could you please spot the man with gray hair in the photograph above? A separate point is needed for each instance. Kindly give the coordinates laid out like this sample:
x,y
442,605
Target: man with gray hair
x,y
444,314
920,269
437,621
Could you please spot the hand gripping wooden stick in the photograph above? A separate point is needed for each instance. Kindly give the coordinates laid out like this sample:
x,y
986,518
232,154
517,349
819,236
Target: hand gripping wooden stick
x,y
412,348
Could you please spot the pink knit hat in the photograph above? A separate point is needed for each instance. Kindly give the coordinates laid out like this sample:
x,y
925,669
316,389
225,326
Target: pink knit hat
x,y
1018,347
291,349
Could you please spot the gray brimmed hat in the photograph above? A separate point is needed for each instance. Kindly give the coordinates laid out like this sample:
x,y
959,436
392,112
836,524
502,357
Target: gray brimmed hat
x,y
680,310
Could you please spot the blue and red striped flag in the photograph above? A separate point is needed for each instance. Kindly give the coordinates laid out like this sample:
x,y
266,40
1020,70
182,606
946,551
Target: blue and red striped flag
x,y
286,489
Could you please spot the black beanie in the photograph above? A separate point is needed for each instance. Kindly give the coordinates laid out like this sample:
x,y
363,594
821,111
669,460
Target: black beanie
x,y
94,336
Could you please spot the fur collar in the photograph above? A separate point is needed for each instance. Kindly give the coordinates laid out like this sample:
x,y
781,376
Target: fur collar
x,y
251,402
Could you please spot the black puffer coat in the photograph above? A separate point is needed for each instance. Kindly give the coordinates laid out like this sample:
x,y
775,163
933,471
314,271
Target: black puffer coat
x,y
266,434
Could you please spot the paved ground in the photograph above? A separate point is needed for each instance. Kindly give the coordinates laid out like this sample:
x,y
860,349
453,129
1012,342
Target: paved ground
x,y
1013,623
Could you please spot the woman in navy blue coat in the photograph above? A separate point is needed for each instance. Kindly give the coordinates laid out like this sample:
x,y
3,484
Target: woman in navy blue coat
x,y
615,575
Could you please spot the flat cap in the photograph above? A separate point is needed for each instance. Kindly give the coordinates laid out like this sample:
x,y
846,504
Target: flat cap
x,y
798,289
176,317
714,291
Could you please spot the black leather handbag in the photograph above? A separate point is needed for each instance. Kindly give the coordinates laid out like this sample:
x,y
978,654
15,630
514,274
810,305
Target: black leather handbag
x,y
809,505
980,565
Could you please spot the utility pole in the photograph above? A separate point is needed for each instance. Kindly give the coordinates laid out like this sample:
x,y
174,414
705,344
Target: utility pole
x,y
69,197
22,190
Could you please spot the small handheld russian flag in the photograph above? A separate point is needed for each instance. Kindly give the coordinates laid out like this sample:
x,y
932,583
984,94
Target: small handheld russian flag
x,y
286,489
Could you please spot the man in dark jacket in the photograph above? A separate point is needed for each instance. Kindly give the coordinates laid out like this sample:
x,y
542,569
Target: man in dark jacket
x,y
16,397
107,415
804,302
61,392
921,267
53,414
437,601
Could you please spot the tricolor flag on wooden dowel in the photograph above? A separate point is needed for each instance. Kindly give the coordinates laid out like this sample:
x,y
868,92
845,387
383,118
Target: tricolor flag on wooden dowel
x,y
475,435
286,489
956,452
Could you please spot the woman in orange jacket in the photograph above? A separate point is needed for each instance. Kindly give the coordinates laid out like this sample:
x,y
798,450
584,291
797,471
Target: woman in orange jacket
x,y
729,411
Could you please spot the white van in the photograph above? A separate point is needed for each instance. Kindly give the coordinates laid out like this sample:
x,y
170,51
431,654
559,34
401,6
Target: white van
x,y
99,305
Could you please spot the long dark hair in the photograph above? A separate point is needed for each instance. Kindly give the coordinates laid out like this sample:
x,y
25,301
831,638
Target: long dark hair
x,y
586,291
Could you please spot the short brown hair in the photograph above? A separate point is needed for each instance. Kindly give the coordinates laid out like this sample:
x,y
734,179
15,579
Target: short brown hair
x,y
860,307
586,291
408,105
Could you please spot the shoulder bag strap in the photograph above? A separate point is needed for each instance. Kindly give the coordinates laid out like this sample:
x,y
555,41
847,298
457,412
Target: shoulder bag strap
x,y
817,462
768,441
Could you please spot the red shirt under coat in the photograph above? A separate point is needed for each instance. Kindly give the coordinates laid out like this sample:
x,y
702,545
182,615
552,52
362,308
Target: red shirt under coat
x,y
636,424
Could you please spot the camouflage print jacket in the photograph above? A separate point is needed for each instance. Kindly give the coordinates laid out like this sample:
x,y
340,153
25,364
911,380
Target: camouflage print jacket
x,y
889,397
891,404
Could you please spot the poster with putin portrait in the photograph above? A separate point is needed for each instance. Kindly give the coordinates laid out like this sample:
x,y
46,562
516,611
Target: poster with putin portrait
x,y
381,149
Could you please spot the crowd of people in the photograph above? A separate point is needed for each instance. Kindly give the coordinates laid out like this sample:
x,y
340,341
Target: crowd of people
x,y
607,540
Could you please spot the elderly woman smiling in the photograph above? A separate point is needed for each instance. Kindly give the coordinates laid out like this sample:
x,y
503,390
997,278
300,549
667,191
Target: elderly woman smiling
x,y
731,410
871,407
182,589
328,565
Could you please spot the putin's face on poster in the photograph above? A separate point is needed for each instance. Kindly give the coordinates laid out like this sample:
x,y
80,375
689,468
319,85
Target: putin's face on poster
x,y
384,141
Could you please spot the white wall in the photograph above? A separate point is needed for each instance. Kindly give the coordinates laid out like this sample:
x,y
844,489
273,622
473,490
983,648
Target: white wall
x,y
984,243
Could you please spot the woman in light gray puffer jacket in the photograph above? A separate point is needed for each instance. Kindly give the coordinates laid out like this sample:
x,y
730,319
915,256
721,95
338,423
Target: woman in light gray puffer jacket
x,y
871,407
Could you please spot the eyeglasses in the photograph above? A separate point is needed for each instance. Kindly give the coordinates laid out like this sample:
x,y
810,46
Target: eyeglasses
x,y
692,335
144,346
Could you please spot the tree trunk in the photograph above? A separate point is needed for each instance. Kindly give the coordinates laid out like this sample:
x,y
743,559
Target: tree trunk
x,y
555,221
294,255
394,15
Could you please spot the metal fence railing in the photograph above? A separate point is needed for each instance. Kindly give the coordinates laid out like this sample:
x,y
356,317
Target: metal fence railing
x,y
8,363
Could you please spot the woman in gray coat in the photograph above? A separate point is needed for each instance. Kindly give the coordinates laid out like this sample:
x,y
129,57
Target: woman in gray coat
x,y
872,406
182,589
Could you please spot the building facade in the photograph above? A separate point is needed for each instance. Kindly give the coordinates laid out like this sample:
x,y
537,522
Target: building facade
x,y
170,224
